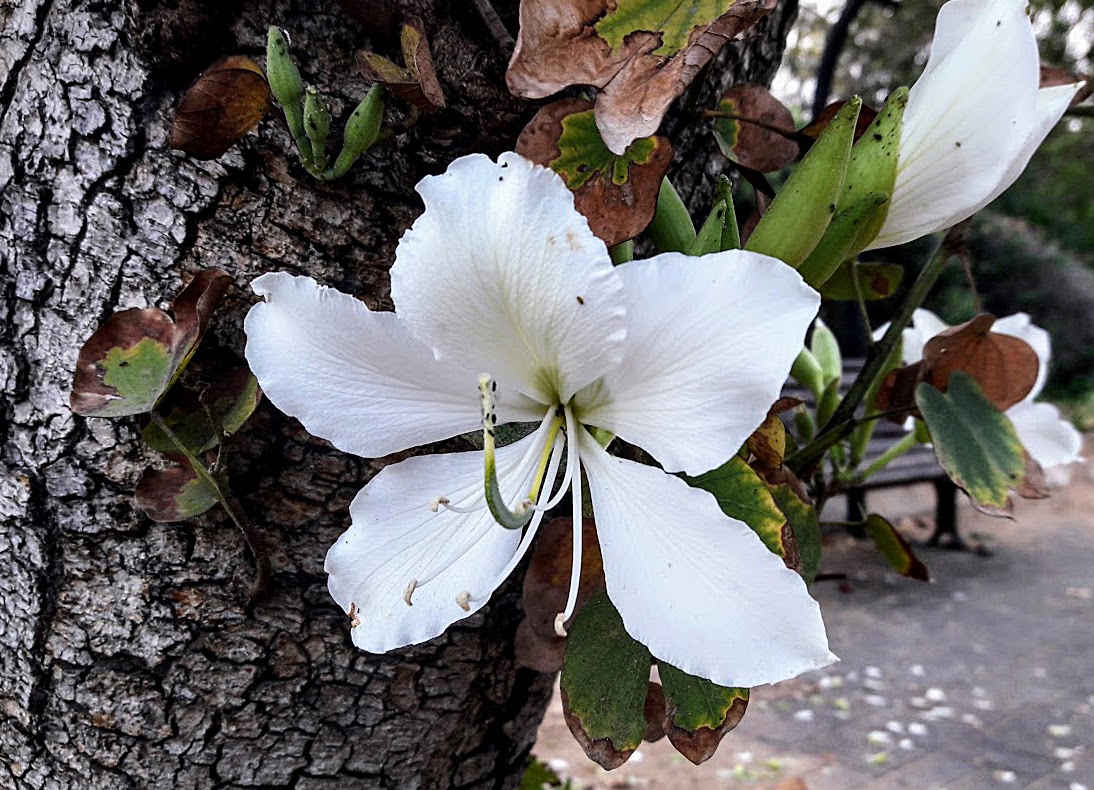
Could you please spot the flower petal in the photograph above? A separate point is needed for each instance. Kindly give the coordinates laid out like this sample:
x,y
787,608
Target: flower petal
x,y
503,275
397,538
1050,439
1020,326
698,588
356,377
710,342
963,133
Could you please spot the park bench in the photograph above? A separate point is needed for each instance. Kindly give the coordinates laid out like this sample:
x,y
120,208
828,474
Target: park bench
x,y
918,465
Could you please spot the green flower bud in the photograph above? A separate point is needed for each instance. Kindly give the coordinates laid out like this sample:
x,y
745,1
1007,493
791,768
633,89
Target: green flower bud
x,y
798,217
362,129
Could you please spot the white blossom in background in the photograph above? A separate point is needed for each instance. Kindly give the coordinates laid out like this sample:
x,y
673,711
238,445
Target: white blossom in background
x,y
1050,439
974,118
680,356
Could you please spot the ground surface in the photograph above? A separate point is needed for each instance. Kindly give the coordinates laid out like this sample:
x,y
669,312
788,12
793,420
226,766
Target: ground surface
x,y
982,679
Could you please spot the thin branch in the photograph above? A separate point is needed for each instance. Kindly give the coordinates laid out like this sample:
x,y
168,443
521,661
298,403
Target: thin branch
x,y
842,422
255,542
496,27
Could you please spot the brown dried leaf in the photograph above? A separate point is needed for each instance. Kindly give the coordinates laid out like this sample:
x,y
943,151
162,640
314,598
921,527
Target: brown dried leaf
x,y
225,102
655,713
816,128
758,130
616,212
547,581
1051,76
531,650
768,443
1004,366
565,42
417,84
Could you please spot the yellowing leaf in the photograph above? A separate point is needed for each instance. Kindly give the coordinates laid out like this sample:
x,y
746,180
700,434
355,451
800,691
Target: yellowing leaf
x,y
130,361
616,193
977,445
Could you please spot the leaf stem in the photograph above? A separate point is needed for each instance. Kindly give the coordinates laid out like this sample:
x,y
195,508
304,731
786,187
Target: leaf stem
x,y
255,542
890,455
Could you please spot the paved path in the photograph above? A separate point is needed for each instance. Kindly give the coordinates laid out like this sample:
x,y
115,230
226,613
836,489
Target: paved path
x,y
982,679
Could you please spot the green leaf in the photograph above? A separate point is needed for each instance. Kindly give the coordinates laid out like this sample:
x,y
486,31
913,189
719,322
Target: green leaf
x,y
744,496
877,281
675,21
895,549
231,401
604,683
583,155
825,348
173,494
803,521
698,713
975,442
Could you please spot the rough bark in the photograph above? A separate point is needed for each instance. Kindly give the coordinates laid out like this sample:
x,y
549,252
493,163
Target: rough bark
x,y
127,656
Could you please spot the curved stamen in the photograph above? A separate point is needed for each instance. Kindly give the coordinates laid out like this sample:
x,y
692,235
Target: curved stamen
x,y
465,598
522,514
574,471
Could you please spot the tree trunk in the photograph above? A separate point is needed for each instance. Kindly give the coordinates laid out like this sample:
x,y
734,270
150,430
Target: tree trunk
x,y
128,658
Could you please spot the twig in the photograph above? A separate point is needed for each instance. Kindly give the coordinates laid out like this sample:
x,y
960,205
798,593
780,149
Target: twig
x,y
842,422
255,542
497,28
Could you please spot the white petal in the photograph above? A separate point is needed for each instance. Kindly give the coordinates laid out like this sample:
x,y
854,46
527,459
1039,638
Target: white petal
x,y
969,118
1050,439
356,377
397,538
1020,326
1051,104
925,325
710,342
696,587
502,274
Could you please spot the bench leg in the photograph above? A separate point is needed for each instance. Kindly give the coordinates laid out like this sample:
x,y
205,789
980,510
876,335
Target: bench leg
x,y
856,511
946,516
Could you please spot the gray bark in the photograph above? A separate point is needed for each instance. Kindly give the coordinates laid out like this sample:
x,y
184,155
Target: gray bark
x,y
128,658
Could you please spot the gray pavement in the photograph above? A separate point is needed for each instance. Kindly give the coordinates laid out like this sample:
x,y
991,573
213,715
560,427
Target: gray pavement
x,y
983,678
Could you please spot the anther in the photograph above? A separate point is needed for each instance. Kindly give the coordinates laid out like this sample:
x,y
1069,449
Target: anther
x,y
437,503
463,600
560,624
354,620
409,592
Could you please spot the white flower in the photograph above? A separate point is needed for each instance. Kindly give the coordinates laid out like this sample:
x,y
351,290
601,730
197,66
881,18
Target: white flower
x,y
1050,439
973,120
681,356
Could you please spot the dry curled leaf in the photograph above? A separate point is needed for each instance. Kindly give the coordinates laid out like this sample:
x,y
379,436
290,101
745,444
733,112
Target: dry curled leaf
x,y
417,83
643,54
1004,366
866,116
547,581
223,104
755,129
616,193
